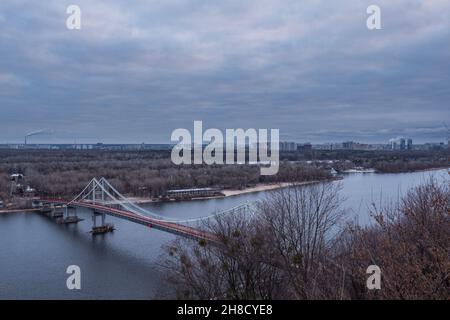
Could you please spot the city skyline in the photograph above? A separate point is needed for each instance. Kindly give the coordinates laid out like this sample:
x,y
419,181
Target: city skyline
x,y
398,143
45,136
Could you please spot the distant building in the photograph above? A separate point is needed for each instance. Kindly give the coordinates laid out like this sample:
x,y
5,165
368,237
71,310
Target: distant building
x,y
325,146
431,146
351,145
304,147
348,145
288,146
400,143
97,146
394,145
183,194
16,177
409,145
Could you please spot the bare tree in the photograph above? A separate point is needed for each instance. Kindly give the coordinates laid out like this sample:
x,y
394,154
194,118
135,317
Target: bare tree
x,y
300,224
146,173
281,252
237,267
410,243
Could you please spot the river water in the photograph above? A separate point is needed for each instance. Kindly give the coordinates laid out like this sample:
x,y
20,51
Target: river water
x,y
35,252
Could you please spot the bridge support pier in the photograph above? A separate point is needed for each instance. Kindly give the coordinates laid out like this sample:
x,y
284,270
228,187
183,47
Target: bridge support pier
x,y
56,212
70,215
104,227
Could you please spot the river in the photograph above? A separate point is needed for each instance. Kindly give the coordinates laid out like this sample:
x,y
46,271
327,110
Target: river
x,y
35,251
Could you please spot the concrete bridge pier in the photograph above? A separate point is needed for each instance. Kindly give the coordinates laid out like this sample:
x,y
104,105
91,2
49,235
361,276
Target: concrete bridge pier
x,y
56,212
104,227
70,215
95,214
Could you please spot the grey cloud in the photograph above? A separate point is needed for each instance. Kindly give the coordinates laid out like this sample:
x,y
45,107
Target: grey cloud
x,y
137,70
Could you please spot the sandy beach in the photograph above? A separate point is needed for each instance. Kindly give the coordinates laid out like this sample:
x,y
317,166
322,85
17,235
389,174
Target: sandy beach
x,y
234,192
265,187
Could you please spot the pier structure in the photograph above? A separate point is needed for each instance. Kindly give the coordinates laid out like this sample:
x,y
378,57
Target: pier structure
x,y
103,227
70,215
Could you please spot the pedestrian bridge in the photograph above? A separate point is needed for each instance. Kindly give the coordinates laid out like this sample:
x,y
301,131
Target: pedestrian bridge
x,y
103,199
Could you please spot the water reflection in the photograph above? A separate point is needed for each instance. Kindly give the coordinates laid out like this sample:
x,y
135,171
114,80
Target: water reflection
x,y
35,252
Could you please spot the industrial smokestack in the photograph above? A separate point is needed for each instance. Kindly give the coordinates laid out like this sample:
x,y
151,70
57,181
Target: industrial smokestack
x,y
35,133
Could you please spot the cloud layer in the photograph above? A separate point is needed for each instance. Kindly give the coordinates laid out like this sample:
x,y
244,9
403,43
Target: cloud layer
x,y
135,72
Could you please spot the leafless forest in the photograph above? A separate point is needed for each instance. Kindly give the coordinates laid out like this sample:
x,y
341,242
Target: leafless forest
x,y
138,173
299,246
151,173
384,161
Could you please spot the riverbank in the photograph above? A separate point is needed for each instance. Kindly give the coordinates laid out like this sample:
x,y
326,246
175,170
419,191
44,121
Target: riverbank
x,y
410,170
266,187
234,192
428,169
18,210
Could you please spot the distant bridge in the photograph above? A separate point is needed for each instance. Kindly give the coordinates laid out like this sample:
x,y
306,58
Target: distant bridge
x,y
103,199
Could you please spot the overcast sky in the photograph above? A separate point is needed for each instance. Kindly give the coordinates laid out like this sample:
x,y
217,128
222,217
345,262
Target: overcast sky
x,y
139,69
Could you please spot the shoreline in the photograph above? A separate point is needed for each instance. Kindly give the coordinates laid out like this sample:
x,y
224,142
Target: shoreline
x,y
236,192
18,210
226,193
419,170
268,187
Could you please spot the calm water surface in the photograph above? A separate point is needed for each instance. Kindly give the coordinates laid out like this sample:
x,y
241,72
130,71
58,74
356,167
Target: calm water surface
x,y
35,252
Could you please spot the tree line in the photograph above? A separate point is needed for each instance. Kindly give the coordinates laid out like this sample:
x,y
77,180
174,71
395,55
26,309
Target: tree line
x,y
135,173
384,161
